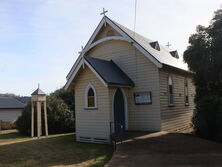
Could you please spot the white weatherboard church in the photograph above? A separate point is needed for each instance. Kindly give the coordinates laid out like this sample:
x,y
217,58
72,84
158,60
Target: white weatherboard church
x,y
123,81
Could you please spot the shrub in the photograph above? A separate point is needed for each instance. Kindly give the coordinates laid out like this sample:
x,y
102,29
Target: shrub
x,y
23,123
204,59
207,118
60,114
60,117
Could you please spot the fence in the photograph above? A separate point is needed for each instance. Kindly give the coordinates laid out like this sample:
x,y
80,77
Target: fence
x,y
116,133
6,125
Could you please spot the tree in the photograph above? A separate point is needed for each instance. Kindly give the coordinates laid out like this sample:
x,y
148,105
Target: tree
x,y
60,114
204,58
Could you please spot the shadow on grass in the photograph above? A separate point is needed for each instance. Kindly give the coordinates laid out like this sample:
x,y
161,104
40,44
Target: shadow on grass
x,y
54,150
11,135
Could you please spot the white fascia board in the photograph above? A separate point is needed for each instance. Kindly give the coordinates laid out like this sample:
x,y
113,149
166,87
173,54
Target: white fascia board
x,y
73,68
69,81
74,73
121,32
95,33
135,43
87,45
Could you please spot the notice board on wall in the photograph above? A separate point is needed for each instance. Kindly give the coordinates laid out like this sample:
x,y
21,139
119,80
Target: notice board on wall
x,y
143,98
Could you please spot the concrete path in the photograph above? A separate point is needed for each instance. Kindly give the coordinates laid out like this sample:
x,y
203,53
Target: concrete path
x,y
167,149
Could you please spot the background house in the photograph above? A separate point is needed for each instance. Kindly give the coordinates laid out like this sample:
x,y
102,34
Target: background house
x,y
10,109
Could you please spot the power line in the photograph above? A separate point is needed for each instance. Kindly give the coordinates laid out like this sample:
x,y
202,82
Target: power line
x,y
136,57
135,15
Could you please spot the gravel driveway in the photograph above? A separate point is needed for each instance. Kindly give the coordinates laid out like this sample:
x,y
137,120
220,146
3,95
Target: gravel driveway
x,y
167,149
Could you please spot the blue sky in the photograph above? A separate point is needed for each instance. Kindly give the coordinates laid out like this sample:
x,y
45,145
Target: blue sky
x,y
40,39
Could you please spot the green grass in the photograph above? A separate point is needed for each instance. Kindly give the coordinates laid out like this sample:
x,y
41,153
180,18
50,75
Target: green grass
x,y
56,150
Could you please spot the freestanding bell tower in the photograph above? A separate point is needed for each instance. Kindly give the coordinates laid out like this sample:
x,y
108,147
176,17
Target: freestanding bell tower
x,y
39,99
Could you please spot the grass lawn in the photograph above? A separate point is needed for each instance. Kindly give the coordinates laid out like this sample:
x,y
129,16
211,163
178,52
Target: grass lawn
x,y
56,150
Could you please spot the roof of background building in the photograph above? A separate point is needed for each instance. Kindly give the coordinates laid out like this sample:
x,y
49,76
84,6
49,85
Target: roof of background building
x,y
23,99
10,103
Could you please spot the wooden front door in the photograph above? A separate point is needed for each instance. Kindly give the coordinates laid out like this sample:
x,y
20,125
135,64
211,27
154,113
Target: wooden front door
x,y
119,111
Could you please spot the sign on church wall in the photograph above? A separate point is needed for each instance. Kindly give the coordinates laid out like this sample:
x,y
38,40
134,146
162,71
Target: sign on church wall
x,y
143,98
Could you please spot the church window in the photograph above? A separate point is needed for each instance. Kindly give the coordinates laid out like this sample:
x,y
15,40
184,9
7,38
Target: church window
x,y
170,91
90,97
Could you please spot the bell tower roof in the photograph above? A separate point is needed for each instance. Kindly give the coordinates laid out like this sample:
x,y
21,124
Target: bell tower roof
x,y
38,92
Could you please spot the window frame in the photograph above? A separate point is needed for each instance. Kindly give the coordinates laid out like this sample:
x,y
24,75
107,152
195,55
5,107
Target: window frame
x,y
186,84
168,89
90,86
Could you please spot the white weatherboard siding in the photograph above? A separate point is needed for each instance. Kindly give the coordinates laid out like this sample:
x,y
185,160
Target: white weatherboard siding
x,y
179,116
91,123
10,115
145,76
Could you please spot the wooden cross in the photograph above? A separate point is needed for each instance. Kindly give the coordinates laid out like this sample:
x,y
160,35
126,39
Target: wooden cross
x,y
168,45
82,54
104,12
82,50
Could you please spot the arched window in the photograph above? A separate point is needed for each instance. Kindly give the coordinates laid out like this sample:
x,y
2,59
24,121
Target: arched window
x,y
170,91
90,97
186,92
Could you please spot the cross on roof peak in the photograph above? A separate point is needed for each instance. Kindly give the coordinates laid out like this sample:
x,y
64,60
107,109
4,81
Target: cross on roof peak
x,y
168,44
104,12
82,49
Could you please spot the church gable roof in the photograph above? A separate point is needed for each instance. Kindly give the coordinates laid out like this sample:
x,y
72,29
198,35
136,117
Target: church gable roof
x,y
159,55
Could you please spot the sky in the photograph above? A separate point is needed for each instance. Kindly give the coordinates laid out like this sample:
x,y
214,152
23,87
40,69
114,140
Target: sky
x,y
40,39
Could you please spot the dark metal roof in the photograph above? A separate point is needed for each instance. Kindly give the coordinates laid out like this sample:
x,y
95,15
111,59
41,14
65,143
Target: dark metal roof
x,y
23,99
109,72
10,102
38,92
